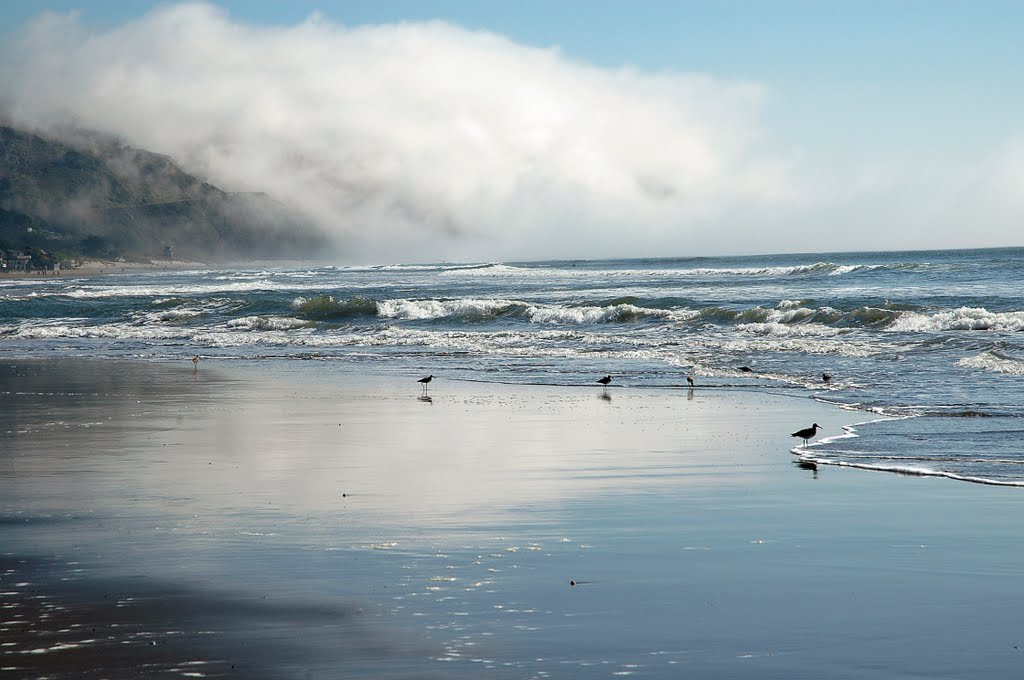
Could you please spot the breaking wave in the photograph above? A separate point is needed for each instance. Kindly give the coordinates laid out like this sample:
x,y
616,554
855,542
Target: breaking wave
x,y
507,270
267,323
961,319
469,310
623,313
465,310
994,362
329,307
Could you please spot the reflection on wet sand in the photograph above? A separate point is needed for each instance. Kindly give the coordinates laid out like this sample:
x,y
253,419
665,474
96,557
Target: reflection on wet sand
x,y
144,435
60,622
204,512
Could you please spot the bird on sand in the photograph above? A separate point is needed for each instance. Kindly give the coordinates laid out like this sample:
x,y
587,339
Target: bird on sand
x,y
689,380
195,361
807,433
826,377
425,381
605,380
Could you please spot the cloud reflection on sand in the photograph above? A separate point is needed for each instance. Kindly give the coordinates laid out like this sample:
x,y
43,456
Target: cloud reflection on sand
x,y
299,452
374,457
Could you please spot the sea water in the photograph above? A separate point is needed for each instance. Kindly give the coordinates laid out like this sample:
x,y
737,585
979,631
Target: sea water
x,y
925,349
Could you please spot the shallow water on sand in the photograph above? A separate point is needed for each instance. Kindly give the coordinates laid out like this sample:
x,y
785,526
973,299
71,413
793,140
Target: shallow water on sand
x,y
292,521
930,335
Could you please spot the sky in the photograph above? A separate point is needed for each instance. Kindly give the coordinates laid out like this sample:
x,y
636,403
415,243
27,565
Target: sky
x,y
463,130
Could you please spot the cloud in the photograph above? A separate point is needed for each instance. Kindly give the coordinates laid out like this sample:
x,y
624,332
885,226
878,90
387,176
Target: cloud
x,y
411,141
426,141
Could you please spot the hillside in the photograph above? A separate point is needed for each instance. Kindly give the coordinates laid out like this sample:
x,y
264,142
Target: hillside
x,y
95,197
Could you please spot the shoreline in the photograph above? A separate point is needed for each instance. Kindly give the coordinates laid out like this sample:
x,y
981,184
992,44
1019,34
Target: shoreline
x,y
323,520
92,267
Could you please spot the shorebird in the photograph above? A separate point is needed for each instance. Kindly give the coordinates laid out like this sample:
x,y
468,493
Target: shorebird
x,y
689,380
605,380
424,381
826,377
195,361
807,433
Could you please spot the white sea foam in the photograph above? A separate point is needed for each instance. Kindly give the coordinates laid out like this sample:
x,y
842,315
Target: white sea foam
x,y
504,270
920,471
267,323
784,329
994,362
192,289
184,312
67,328
180,314
808,344
612,313
961,319
539,314
438,309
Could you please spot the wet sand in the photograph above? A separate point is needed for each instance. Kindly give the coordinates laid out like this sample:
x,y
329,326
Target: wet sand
x,y
294,520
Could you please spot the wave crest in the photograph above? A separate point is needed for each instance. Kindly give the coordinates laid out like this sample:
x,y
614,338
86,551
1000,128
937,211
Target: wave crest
x,y
961,319
993,362
267,323
620,313
467,310
329,307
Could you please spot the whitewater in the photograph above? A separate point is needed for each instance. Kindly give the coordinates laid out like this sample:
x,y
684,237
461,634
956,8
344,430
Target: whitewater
x,y
925,348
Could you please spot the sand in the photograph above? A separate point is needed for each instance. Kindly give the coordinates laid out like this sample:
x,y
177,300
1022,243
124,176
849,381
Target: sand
x,y
302,519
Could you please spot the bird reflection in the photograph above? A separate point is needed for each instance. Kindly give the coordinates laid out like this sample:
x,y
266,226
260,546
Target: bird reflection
x,y
808,465
604,396
689,394
426,398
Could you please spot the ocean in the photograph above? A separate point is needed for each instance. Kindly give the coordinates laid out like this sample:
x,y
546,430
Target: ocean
x,y
924,348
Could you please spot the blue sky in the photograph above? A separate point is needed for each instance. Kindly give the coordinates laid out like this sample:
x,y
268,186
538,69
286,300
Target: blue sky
x,y
869,117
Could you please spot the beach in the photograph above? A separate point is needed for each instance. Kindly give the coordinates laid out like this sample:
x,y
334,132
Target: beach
x,y
306,519
101,267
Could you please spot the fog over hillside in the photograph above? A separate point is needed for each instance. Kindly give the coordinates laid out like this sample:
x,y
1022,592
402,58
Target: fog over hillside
x,y
88,194
427,141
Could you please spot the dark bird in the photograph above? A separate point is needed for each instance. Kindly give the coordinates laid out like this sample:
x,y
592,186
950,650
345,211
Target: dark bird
x,y
746,369
689,381
826,377
605,380
425,381
807,433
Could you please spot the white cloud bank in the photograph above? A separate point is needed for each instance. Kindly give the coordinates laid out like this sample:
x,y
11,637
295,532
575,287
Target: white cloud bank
x,y
427,141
